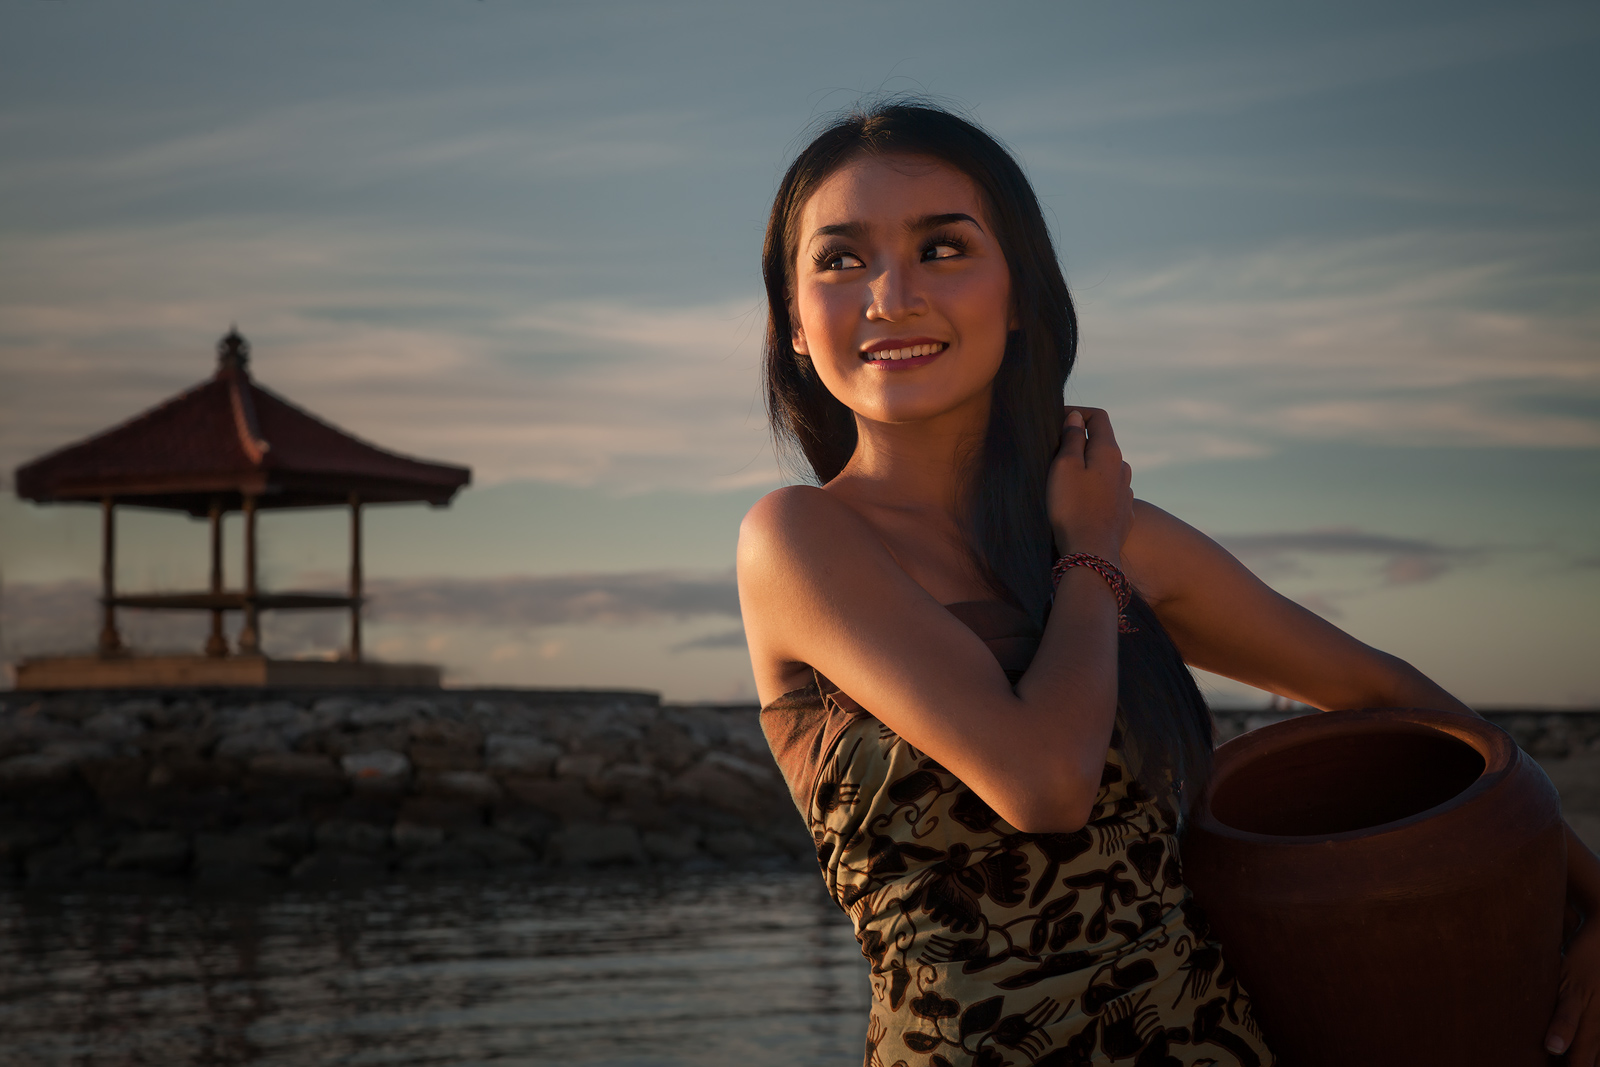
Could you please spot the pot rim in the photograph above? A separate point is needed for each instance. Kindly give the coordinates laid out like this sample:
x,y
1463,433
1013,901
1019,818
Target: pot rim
x,y
1499,752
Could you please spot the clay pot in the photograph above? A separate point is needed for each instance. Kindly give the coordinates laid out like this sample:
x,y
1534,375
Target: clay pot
x,y
1389,886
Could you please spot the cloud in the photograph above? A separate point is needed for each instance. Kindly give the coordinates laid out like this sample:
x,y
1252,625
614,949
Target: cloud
x,y
1401,560
713,642
611,599
1421,339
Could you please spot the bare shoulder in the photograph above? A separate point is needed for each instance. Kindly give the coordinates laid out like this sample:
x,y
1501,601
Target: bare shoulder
x,y
799,525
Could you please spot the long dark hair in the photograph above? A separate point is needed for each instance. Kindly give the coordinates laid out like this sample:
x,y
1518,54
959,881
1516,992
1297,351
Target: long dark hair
x,y
1167,726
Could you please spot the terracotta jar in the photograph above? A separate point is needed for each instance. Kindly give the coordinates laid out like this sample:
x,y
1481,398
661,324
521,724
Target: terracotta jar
x,y
1389,886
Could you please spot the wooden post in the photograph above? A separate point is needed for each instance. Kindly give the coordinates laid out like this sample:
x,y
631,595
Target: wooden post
x,y
250,633
355,578
216,643
110,640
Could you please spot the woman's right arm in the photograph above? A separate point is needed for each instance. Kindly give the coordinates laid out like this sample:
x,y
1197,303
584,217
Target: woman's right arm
x,y
818,588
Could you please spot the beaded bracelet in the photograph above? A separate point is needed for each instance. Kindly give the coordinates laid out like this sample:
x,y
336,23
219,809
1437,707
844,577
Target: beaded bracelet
x,y
1114,578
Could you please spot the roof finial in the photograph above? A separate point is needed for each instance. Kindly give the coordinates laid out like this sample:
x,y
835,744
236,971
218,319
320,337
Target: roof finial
x,y
233,351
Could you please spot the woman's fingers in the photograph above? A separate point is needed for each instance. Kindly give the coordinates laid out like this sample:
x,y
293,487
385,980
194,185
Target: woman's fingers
x,y
1074,437
1574,1029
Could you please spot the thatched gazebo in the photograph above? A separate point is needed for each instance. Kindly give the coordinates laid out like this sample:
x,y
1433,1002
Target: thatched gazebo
x,y
228,444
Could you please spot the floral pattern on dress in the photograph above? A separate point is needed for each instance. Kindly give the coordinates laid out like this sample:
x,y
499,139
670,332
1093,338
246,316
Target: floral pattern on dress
x,y
990,947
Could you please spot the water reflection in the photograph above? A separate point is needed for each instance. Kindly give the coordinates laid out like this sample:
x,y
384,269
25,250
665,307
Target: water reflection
x,y
748,968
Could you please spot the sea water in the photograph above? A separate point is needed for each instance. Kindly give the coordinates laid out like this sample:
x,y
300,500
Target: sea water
x,y
707,968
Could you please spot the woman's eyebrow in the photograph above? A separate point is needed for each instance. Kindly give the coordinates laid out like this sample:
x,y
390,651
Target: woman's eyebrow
x,y
928,222
858,230
854,230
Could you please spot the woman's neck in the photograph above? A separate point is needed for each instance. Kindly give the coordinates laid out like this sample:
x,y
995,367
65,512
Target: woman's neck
x,y
914,466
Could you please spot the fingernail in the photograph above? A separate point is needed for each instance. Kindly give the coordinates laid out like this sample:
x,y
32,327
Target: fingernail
x,y
1074,418
1555,1046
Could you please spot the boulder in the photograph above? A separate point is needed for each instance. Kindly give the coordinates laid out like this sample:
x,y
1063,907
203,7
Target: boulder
x,y
381,766
414,837
225,857
346,835
496,849
596,844
474,786
670,847
508,754
444,812
568,800
157,851
243,746
443,859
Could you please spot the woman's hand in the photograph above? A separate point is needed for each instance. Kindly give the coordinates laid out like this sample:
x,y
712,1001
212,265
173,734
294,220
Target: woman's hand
x,y
1576,1025
1089,494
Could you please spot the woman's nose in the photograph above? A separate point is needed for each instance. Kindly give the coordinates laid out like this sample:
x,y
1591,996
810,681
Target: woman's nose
x,y
895,296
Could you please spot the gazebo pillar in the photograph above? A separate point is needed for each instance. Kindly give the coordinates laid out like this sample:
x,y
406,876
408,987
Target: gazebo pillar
x,y
355,577
110,640
216,643
250,633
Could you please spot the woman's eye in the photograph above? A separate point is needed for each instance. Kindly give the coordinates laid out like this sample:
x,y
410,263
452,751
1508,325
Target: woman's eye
x,y
840,261
942,250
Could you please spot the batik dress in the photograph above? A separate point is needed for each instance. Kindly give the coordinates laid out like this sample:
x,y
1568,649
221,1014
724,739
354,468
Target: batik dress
x,y
991,947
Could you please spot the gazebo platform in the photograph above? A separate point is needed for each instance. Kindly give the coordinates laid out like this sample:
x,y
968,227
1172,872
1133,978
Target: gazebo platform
x,y
156,672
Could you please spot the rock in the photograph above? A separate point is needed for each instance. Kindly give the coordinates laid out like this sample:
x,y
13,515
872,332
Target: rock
x,y
392,714
61,862
17,838
52,767
581,765
443,745
730,783
330,712
412,837
117,782
443,859
474,786
349,836
526,824
113,727
669,746
298,768
159,851
224,857
294,836
596,844
567,800
496,849
339,867
380,766
737,845
520,755
443,812
670,847
243,746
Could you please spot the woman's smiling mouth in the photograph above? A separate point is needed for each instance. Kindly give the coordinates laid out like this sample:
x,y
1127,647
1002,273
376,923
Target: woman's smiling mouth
x,y
904,352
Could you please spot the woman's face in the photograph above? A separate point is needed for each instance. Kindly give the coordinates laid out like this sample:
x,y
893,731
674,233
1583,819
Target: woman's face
x,y
902,297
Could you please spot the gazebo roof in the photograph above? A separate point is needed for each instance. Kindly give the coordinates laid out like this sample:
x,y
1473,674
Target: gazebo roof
x,y
226,438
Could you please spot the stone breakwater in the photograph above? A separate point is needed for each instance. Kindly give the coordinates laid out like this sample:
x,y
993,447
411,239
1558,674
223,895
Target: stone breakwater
x,y
226,787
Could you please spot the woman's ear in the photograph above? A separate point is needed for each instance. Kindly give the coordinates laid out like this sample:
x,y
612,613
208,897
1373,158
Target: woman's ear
x,y
797,338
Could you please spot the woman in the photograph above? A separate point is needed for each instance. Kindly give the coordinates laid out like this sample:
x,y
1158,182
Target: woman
x,y
995,770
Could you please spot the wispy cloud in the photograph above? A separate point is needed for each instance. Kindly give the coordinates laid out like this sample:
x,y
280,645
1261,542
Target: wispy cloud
x,y
1401,560
1418,339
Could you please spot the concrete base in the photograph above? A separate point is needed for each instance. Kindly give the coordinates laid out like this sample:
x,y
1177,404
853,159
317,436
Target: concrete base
x,y
159,672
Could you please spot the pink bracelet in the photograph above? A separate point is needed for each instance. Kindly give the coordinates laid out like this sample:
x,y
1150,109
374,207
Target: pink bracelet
x,y
1114,578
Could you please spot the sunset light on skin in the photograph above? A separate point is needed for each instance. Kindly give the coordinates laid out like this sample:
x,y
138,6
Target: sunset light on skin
x,y
1334,270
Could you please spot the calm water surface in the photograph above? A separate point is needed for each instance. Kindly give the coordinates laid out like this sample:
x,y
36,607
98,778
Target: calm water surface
x,y
747,968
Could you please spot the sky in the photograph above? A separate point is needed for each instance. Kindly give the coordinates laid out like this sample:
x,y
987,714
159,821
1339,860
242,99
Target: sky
x,y
1336,268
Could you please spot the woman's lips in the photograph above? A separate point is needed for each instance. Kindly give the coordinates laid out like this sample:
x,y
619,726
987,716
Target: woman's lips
x,y
902,354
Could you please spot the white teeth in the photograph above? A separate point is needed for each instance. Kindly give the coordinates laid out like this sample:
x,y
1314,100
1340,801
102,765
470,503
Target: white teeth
x,y
905,353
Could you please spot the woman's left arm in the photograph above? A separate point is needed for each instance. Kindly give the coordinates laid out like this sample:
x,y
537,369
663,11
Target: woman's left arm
x,y
1226,620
